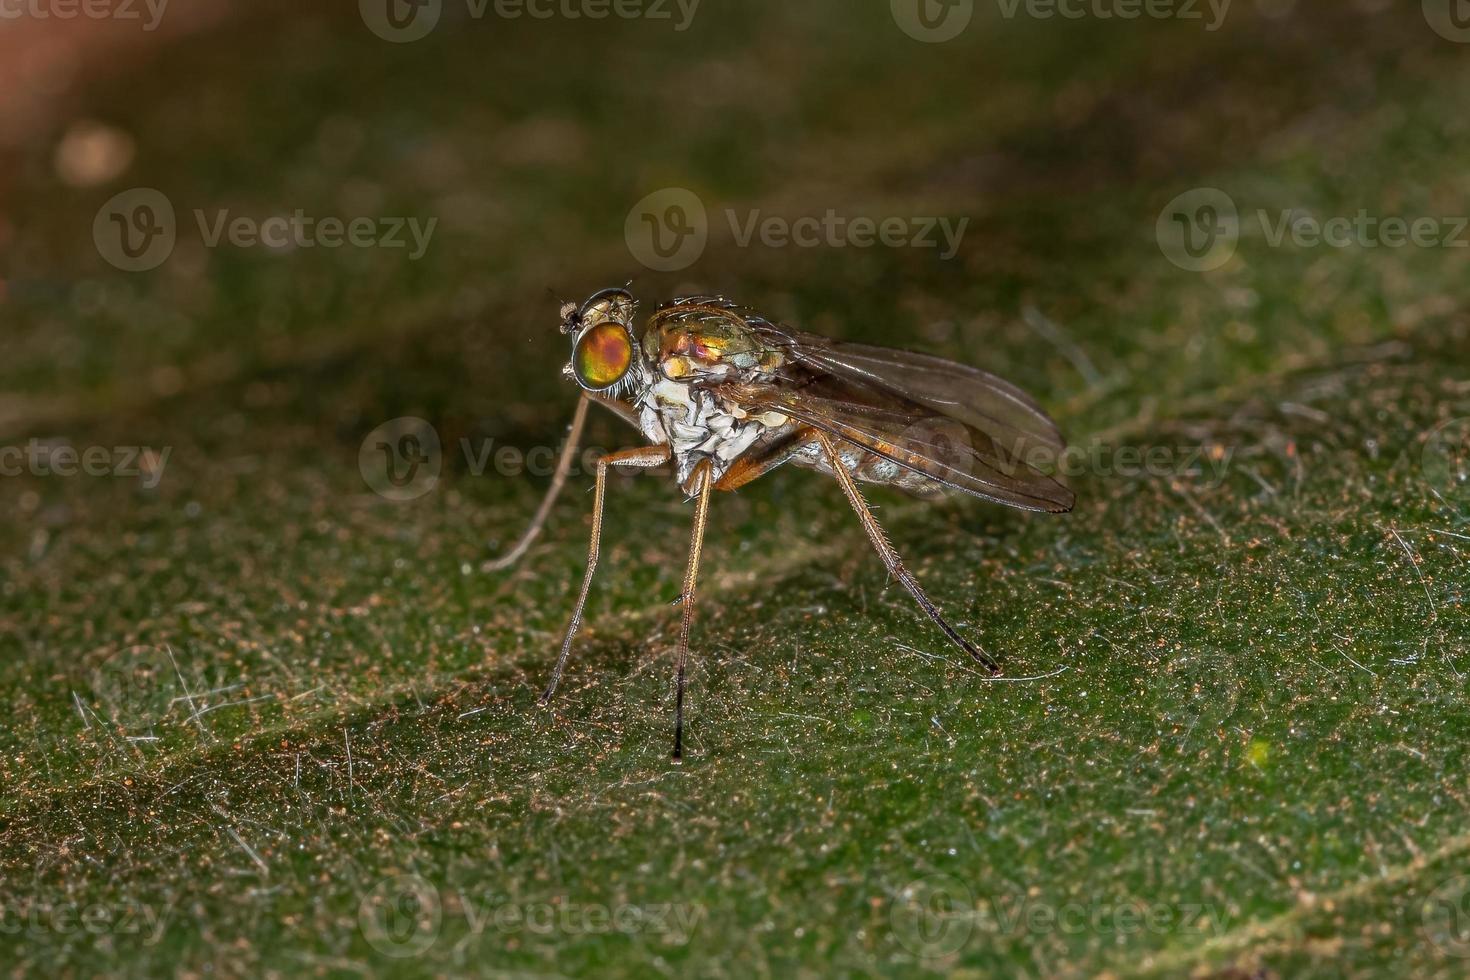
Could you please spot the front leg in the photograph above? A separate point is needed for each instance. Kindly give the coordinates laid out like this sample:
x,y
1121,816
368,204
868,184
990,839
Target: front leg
x,y
559,478
752,466
641,457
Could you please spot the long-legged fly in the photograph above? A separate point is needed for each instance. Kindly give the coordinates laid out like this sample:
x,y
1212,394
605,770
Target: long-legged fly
x,y
727,395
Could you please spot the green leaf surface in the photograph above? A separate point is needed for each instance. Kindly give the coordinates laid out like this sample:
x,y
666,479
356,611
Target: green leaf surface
x,y
263,720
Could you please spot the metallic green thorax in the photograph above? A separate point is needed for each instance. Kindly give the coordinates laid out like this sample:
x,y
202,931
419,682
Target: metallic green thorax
x,y
706,342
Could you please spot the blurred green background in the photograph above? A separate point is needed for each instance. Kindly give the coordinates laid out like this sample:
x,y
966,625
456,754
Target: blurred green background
x,y
265,720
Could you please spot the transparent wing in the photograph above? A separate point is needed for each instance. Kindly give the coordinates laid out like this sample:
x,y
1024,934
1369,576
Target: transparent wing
x,y
936,446
960,392
962,427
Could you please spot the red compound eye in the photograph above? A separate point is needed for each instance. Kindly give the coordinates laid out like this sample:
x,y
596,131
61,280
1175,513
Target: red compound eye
x,y
602,356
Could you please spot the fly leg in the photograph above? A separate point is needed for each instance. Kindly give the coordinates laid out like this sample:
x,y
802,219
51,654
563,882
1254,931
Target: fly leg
x,y
558,480
890,556
748,468
691,576
642,457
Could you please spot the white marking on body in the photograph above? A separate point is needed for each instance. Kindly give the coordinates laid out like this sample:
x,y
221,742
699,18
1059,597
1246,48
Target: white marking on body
x,y
696,427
